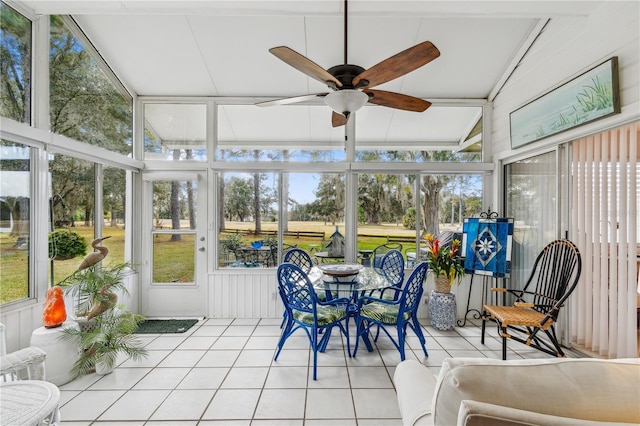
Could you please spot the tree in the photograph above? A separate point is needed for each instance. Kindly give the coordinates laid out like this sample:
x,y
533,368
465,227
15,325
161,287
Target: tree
x,y
239,198
15,65
330,194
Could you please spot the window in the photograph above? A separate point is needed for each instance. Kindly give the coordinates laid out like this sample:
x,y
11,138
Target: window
x,y
388,211
248,234
15,219
174,235
313,203
531,182
277,134
15,54
71,209
440,134
84,103
113,201
175,132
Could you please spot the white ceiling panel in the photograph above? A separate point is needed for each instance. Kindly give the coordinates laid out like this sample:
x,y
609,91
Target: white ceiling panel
x,y
155,55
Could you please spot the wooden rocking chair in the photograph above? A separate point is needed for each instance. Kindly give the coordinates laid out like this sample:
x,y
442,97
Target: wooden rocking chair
x,y
553,278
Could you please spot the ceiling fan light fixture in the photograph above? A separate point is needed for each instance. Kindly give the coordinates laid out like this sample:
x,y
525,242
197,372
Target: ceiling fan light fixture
x,y
346,101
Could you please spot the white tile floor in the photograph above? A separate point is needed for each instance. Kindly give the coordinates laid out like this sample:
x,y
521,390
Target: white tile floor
x,y
221,372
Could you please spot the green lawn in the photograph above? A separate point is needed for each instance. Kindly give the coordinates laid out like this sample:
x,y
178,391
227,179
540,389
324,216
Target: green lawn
x,y
173,260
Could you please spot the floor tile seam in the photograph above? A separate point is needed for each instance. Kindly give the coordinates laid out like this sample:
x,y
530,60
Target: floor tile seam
x,y
255,409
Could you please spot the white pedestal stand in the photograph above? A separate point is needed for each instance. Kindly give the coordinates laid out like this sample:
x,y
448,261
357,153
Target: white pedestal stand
x,y
61,354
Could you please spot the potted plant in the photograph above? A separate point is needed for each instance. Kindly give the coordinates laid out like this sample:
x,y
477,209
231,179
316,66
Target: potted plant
x,y
65,244
444,263
231,242
112,336
94,288
105,330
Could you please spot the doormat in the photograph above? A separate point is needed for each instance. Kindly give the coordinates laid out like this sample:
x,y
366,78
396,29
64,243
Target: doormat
x,y
154,326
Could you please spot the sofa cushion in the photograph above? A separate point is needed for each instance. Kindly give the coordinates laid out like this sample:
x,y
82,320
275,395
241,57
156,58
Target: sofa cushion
x,y
585,388
474,413
415,385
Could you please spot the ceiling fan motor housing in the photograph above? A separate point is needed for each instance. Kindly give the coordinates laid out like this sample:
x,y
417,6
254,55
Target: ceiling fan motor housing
x,y
345,74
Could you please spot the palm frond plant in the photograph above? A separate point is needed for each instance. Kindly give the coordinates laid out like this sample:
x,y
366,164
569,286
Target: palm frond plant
x,y
113,336
94,288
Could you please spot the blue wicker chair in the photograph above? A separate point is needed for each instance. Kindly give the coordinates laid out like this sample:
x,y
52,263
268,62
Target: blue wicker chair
x,y
299,258
304,311
392,265
400,313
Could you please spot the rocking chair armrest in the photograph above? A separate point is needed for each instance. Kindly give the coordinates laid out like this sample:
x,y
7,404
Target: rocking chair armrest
x,y
499,289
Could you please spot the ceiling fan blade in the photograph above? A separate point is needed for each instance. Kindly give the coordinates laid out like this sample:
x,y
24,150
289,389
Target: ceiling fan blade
x,y
304,64
292,100
338,120
398,65
397,100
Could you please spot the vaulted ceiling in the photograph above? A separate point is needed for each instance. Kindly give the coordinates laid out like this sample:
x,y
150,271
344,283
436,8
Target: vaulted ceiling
x,y
221,48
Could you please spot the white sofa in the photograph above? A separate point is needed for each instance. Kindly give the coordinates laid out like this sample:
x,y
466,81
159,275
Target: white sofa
x,y
489,392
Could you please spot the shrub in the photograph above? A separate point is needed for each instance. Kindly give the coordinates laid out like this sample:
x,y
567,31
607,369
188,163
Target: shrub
x,y
65,244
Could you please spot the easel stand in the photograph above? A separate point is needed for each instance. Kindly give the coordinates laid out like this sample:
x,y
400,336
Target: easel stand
x,y
486,286
486,249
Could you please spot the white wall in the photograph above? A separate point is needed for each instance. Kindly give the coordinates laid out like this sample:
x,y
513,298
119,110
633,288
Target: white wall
x,y
567,47
253,294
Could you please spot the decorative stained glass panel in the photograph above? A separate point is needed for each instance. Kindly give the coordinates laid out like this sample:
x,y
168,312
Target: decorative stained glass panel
x,y
486,246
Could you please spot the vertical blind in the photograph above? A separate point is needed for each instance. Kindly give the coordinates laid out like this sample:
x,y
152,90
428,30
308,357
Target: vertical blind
x,y
604,225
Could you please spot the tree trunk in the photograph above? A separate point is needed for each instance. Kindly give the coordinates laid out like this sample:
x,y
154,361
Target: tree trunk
x,y
431,204
285,197
87,215
175,202
190,198
221,217
256,197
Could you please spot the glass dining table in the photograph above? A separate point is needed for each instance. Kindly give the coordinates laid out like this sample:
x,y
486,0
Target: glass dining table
x,y
348,280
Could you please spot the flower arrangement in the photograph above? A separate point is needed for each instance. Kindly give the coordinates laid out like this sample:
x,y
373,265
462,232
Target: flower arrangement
x,y
444,261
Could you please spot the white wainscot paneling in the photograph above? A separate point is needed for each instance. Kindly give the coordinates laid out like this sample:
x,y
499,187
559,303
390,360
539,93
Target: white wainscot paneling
x,y
244,294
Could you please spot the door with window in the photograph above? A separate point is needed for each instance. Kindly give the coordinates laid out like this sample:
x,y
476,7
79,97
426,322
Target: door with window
x,y
175,260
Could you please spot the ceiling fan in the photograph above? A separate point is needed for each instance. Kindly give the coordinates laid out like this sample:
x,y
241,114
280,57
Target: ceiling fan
x,y
351,84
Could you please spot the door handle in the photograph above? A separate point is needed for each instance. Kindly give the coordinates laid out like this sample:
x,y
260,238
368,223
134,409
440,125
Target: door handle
x,y
201,249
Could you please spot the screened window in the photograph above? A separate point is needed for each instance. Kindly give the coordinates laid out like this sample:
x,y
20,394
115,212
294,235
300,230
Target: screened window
x,y
389,213
313,206
84,103
15,54
71,211
292,133
113,201
174,132
174,235
439,134
15,219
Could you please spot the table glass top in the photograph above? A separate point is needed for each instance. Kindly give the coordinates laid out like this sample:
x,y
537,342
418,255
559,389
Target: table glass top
x,y
366,279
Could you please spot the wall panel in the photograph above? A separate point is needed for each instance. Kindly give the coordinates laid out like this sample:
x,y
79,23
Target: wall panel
x,y
566,47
